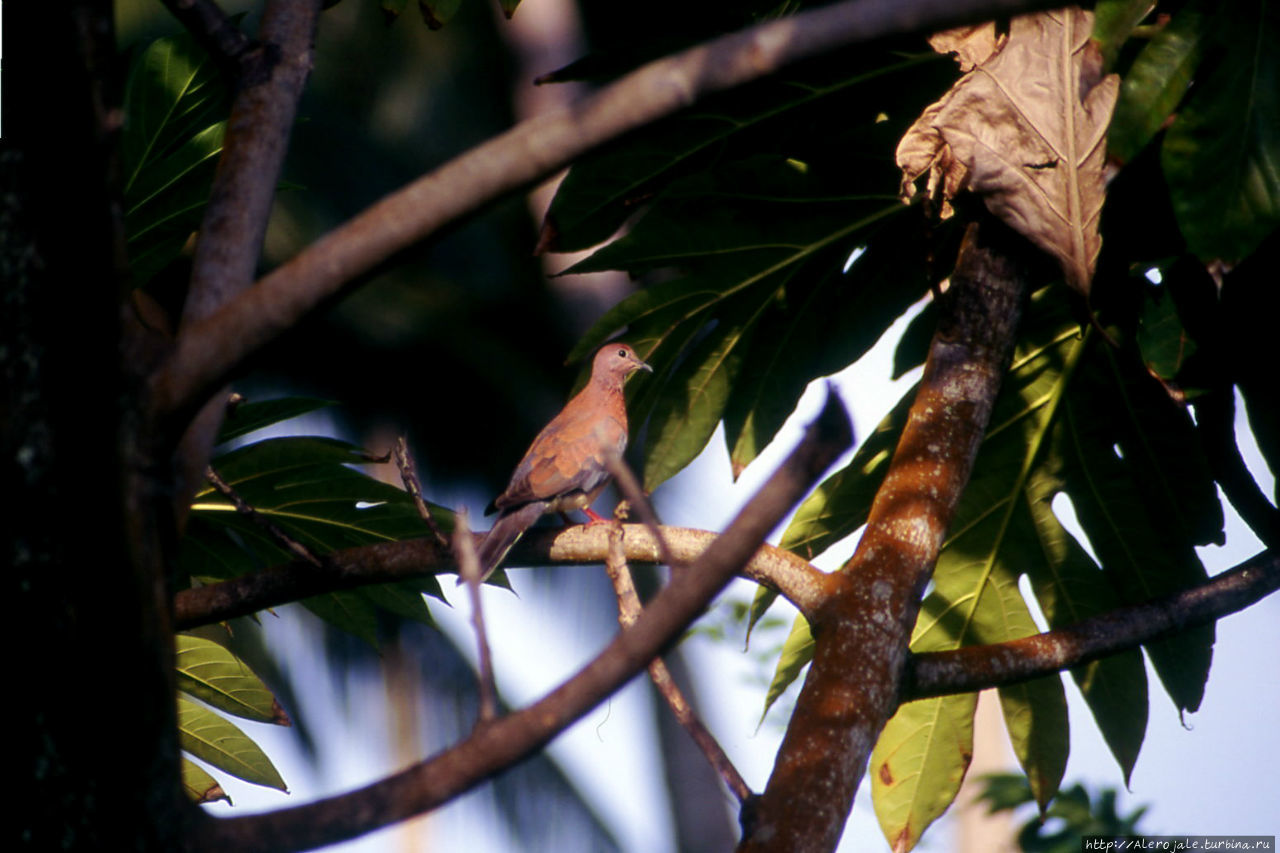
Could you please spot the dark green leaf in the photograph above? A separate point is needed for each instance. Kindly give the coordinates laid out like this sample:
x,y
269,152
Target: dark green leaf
x,y
249,417
306,488
1221,156
1113,22
1156,82
175,108
602,191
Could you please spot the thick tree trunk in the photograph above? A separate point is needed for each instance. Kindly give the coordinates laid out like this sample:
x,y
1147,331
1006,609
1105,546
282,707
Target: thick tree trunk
x,y
92,695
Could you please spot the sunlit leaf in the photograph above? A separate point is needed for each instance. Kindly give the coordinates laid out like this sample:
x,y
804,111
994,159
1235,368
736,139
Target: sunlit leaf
x,y
212,739
199,786
218,678
919,763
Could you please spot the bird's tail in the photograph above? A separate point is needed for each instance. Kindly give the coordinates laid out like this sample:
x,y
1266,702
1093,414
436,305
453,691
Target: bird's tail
x,y
506,531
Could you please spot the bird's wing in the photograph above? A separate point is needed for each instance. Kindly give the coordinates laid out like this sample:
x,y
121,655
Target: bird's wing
x,y
569,455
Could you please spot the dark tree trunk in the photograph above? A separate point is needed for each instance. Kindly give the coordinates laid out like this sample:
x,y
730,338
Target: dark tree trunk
x,y
93,700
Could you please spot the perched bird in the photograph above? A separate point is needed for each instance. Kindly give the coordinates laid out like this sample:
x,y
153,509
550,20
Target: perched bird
x,y
567,465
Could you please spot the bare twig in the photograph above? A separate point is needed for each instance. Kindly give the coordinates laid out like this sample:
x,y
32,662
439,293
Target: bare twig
x,y
464,547
531,151
409,476
639,501
511,738
284,540
629,608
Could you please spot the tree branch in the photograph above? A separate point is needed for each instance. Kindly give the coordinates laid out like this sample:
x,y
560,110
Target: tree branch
x,y
216,33
861,633
979,667
508,740
235,222
385,562
210,351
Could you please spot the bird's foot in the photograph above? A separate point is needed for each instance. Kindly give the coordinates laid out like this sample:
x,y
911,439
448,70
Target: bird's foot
x,y
594,518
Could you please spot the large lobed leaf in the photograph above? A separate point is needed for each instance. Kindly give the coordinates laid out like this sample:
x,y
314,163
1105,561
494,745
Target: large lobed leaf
x,y
1067,401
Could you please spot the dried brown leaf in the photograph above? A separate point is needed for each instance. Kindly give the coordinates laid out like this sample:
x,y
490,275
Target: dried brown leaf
x,y
972,45
1026,129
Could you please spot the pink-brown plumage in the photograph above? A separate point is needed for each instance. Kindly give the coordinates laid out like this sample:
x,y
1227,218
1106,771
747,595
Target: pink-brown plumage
x,y
567,465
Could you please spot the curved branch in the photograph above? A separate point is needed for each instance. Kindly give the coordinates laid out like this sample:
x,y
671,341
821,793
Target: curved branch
x,y
979,667
386,562
208,352
497,745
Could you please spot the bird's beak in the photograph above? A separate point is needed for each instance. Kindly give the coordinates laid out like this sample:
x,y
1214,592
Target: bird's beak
x,y
643,365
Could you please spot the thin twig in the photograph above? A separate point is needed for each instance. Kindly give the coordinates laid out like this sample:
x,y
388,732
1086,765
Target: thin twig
x,y
629,608
639,501
284,540
410,478
469,567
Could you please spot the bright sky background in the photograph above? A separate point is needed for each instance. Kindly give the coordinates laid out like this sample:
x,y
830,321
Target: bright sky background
x,y
1214,775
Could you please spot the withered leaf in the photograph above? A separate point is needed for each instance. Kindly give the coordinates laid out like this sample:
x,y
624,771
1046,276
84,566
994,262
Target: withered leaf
x,y
1026,129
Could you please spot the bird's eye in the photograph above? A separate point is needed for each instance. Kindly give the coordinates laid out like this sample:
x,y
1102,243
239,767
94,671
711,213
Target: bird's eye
x,y
622,353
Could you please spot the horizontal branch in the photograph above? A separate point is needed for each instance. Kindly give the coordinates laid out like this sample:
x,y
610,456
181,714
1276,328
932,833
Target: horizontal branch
x,y
387,562
208,352
979,667
501,743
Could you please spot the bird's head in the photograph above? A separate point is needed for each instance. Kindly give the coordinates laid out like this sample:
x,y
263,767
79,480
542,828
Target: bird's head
x,y
615,362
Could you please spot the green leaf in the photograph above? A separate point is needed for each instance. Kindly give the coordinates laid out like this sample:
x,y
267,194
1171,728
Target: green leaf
x,y
304,486
603,190
693,401
820,325
1113,22
919,763
216,741
212,674
797,651
1035,715
199,786
1155,84
840,505
1036,447
175,107
1221,156
250,417
1161,338
437,13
